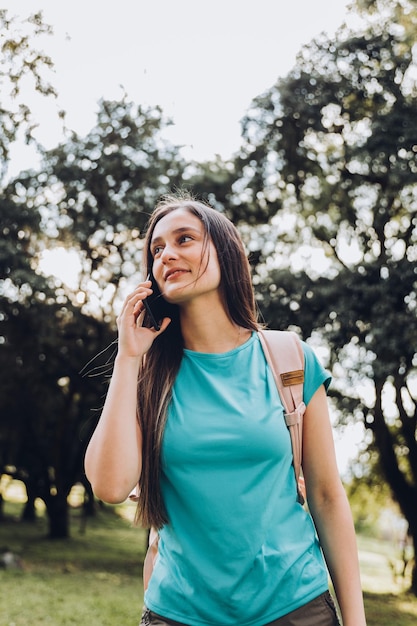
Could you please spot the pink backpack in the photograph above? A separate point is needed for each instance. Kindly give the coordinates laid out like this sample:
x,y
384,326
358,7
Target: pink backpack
x,y
285,356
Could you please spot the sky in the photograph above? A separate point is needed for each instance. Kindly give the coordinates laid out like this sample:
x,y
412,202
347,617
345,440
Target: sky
x,y
202,62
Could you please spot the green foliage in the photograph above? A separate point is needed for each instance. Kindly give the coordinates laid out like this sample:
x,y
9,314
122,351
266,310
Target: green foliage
x,y
92,197
330,153
45,402
21,63
97,192
367,502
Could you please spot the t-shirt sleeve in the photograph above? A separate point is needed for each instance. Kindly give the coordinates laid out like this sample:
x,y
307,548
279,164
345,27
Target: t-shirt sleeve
x,y
314,373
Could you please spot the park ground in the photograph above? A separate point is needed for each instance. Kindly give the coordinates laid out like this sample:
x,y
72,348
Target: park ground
x,y
95,576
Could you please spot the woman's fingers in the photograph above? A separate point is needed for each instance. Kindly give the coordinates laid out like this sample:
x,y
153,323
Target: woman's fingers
x,y
135,339
165,323
133,302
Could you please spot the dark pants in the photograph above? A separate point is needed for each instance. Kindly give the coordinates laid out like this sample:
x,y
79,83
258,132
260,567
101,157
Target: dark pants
x,y
319,612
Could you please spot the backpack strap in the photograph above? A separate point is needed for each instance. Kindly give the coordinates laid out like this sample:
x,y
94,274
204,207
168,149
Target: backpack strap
x,y
150,557
285,356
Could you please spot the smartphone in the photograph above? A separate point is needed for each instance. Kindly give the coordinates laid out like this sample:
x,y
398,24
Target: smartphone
x,y
156,307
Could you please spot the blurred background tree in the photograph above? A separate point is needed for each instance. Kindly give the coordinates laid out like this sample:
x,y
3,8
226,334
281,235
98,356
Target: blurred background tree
x,y
45,402
329,161
88,201
96,194
23,65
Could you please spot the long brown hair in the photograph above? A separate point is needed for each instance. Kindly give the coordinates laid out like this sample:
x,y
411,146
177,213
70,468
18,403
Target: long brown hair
x,y
161,364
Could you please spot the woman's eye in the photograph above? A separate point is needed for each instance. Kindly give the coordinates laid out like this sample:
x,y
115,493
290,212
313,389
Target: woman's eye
x,y
156,250
185,238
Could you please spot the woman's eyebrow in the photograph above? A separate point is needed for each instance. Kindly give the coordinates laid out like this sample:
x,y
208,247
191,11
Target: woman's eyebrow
x,y
177,231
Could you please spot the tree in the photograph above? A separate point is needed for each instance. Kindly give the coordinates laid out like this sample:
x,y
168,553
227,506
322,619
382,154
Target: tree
x,y
21,64
46,403
24,69
98,191
92,197
330,160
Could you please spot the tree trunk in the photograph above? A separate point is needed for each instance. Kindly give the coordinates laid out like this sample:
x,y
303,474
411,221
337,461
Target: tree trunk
x,y
89,503
413,587
58,514
29,511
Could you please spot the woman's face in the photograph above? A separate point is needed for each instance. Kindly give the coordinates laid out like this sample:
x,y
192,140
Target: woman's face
x,y
185,266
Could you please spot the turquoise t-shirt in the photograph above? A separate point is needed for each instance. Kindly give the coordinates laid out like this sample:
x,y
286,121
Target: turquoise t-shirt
x,y
238,548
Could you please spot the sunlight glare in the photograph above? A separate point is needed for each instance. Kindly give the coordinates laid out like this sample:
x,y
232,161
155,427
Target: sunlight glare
x,y
62,263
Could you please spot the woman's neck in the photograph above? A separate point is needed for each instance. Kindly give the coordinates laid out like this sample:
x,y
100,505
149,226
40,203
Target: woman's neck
x,y
211,331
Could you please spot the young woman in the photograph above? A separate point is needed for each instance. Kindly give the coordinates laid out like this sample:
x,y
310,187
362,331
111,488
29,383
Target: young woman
x,y
193,415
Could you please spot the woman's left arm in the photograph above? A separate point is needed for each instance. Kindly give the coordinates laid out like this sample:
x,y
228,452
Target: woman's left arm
x,y
330,509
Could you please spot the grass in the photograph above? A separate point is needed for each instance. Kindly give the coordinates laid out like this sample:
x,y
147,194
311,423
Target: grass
x,y
387,609
95,577
387,602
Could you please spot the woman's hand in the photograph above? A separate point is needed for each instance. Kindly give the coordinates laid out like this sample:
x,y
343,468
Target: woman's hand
x,y
113,460
134,339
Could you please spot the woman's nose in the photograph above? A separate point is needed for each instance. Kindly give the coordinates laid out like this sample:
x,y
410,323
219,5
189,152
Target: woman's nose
x,y
168,253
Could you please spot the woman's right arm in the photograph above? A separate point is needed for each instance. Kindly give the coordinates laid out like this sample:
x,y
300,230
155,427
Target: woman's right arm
x,y
113,459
